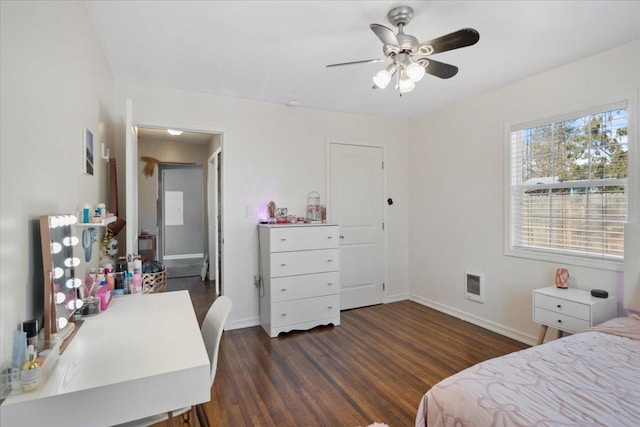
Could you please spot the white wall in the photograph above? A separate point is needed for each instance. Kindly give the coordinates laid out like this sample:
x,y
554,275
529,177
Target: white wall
x,y
54,82
456,164
274,152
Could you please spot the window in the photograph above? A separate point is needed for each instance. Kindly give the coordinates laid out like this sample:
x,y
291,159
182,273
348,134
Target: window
x,y
569,186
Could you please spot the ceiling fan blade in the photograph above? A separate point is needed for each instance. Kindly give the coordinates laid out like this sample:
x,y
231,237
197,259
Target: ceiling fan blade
x,y
385,34
366,61
438,69
461,38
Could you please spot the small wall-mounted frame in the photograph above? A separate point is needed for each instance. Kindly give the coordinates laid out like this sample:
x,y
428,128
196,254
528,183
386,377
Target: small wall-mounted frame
x,y
87,152
474,286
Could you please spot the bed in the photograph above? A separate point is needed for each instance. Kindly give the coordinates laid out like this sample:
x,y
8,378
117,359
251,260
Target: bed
x,y
591,378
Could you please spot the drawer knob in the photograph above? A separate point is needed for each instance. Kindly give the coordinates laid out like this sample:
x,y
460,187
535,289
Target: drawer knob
x,y
283,239
329,284
283,315
559,306
342,237
283,290
329,260
283,265
329,237
559,320
330,307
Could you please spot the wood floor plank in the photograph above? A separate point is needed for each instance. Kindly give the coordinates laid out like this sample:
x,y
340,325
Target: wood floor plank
x,y
375,366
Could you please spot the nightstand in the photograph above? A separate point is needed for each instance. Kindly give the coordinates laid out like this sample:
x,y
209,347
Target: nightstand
x,y
570,310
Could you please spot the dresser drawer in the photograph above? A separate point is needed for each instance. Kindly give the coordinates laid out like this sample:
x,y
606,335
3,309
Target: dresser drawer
x,y
304,262
558,305
304,310
304,286
302,238
559,320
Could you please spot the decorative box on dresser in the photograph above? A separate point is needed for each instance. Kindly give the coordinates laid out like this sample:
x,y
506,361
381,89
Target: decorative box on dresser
x,y
570,310
300,270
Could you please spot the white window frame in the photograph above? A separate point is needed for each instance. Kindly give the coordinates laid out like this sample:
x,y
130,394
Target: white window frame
x,y
633,181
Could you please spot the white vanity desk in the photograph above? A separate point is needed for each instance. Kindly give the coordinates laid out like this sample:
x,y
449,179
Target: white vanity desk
x,y
143,356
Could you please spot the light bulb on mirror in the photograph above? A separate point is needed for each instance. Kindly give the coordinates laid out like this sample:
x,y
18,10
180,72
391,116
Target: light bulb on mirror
x,y
73,283
58,272
56,247
54,222
70,241
60,297
74,304
72,262
62,322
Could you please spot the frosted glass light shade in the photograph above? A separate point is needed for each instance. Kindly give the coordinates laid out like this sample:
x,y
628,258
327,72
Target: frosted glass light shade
x,y
382,79
415,72
406,85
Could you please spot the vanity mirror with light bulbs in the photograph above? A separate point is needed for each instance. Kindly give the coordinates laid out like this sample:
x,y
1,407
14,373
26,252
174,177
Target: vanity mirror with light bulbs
x,y
60,264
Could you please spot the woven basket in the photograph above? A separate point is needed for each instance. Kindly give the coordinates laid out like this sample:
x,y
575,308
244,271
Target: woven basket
x,y
154,282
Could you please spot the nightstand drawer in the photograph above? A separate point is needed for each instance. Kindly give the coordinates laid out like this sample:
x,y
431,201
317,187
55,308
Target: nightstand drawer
x,y
559,320
562,306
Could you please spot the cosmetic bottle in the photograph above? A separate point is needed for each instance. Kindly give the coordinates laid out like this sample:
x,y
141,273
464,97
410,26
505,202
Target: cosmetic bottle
x,y
137,282
86,213
30,371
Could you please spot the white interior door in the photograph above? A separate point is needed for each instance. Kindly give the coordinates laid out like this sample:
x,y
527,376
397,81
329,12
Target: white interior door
x,y
131,179
356,192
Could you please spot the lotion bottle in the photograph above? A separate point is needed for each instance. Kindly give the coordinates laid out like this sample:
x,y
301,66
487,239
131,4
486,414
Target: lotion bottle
x,y
30,371
86,213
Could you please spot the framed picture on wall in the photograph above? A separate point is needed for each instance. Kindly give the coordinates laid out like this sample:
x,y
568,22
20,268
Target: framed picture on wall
x,y
87,152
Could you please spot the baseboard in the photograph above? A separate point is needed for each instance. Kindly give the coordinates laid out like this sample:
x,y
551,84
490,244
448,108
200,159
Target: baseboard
x,y
478,321
397,297
242,323
483,323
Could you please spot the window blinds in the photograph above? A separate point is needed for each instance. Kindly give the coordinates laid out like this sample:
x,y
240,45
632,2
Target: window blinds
x,y
569,184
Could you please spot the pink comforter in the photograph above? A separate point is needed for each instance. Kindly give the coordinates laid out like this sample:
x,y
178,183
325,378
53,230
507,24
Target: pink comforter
x,y
587,379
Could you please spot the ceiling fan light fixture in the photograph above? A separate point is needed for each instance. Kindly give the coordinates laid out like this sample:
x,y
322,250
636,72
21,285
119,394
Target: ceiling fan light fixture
x,y
415,72
405,85
383,77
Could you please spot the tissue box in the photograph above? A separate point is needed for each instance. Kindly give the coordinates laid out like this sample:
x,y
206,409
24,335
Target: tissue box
x,y
104,293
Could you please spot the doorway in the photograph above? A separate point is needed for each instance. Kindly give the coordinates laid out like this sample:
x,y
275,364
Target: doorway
x,y
181,246
189,148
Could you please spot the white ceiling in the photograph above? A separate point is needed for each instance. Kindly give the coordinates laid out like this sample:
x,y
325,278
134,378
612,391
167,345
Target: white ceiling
x,y
276,51
161,135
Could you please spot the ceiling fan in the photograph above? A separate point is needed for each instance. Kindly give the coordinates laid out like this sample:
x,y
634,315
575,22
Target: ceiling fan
x,y
410,59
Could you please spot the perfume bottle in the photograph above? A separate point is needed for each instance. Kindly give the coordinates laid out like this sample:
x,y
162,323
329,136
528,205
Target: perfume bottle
x,y
30,371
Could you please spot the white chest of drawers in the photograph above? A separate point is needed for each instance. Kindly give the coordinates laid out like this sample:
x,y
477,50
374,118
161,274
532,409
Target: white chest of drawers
x,y
570,310
300,267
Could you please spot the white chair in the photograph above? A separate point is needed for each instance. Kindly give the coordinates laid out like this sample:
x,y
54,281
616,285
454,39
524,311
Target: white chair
x,y
211,331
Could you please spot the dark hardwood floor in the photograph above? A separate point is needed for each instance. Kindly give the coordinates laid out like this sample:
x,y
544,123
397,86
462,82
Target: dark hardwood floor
x,y
202,293
375,366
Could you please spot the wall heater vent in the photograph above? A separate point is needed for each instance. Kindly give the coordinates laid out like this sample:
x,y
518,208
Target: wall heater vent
x,y
474,286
